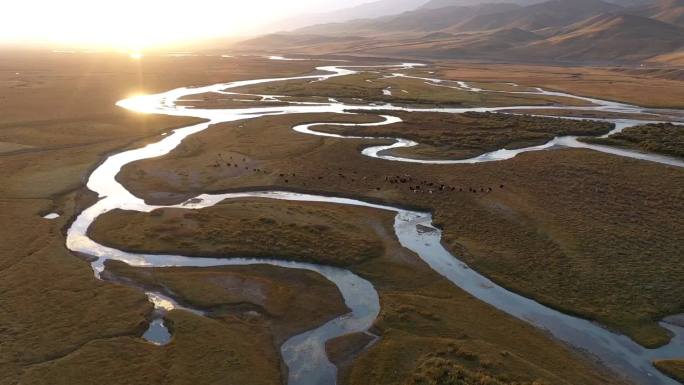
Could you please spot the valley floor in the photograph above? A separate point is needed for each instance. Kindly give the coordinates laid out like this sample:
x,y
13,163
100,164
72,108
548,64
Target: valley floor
x,y
584,232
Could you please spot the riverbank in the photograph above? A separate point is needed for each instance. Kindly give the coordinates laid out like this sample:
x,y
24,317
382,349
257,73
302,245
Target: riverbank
x,y
55,320
643,87
421,314
664,138
282,302
673,368
59,325
246,229
383,87
572,249
469,135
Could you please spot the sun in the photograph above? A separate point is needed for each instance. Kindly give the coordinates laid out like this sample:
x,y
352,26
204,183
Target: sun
x,y
135,55
123,25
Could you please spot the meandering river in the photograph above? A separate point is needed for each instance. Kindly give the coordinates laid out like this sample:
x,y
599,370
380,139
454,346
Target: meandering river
x,y
305,354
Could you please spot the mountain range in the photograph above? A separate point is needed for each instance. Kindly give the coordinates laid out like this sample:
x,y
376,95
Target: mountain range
x,y
561,31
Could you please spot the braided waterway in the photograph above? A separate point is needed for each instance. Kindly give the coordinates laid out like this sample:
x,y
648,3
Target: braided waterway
x,y
305,354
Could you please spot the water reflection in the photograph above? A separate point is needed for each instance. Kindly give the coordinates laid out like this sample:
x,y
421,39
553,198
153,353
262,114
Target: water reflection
x,y
305,354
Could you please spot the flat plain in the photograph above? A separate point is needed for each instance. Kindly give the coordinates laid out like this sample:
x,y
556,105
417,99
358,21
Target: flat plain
x,y
587,233
519,233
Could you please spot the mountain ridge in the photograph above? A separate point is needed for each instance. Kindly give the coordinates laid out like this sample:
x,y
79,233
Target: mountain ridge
x,y
550,31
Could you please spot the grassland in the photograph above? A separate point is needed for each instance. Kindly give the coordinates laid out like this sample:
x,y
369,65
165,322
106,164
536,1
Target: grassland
x,y
203,351
58,324
673,368
422,314
459,136
217,100
589,114
643,87
241,229
283,302
405,91
662,138
588,233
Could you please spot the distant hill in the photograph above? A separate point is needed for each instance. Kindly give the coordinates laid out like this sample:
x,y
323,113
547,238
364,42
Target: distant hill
x,y
300,42
422,20
561,31
550,14
436,4
669,11
370,10
481,17
673,58
630,3
609,36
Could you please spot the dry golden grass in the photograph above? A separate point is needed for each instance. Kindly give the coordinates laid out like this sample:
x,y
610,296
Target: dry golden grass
x,y
661,138
462,136
289,231
52,304
673,368
61,326
284,302
640,87
592,114
216,100
422,314
574,229
203,351
406,91
58,324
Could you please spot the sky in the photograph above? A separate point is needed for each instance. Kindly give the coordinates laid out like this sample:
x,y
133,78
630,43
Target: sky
x,y
139,24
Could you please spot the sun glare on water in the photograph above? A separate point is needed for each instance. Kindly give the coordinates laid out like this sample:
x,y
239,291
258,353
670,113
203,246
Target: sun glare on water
x,y
135,55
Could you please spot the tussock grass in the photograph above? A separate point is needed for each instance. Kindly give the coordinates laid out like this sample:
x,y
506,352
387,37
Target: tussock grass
x,y
673,368
246,228
354,88
284,302
430,330
662,138
591,234
455,136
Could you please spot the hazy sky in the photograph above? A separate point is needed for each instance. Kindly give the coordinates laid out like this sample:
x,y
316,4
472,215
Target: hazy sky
x,y
131,24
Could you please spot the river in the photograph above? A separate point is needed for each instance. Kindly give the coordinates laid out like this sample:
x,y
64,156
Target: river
x,y
304,354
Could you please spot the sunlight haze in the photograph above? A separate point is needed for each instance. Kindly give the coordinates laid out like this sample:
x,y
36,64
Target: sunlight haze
x,y
342,192
129,24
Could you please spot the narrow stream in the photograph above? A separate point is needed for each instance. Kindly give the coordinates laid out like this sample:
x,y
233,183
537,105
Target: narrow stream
x,y
304,354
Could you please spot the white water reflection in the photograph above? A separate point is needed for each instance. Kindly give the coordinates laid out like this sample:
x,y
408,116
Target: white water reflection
x,y
305,354
157,333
